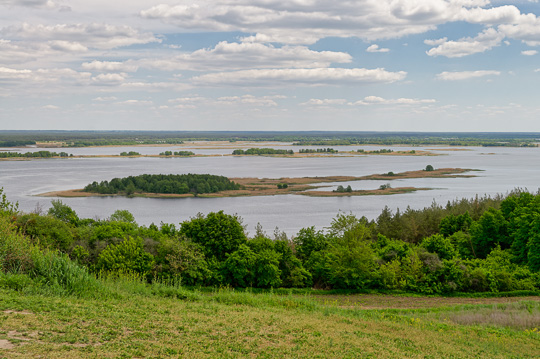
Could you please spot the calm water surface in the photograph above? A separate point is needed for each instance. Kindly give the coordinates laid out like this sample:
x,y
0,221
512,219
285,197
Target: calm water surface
x,y
503,169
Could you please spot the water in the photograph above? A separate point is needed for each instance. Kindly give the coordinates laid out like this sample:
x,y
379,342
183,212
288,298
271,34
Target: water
x,y
503,169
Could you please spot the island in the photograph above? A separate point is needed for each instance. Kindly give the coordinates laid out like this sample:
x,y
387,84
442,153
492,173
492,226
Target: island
x,y
204,185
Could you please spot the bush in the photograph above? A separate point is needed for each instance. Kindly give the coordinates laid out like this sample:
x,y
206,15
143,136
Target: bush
x,y
125,257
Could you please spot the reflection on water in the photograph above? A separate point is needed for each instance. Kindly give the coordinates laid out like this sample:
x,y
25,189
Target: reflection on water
x,y
502,170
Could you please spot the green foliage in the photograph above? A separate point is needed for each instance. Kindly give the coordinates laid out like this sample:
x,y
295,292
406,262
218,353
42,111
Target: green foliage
x,y
130,153
36,154
488,232
219,233
63,212
307,241
429,168
47,231
467,246
239,267
262,151
122,215
441,245
177,153
317,150
7,207
177,184
126,257
452,224
181,259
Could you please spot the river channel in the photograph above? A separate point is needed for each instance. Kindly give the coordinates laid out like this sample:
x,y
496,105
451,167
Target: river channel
x,y
502,169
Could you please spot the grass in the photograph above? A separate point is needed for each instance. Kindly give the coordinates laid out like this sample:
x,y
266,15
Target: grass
x,y
52,308
135,320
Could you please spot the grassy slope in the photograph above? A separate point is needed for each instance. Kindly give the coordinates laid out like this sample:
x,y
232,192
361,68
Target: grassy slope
x,y
134,323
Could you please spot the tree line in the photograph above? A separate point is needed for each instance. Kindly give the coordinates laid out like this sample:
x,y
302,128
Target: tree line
x,y
36,154
177,153
160,183
484,244
317,150
263,151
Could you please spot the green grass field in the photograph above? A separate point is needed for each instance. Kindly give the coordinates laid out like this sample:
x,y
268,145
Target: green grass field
x,y
128,319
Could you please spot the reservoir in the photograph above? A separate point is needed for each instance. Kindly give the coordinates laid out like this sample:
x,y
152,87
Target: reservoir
x,y
502,169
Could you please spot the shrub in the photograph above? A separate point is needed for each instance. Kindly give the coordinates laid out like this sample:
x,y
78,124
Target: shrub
x,y
125,257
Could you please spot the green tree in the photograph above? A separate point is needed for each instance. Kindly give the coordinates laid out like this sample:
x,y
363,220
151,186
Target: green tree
x,y
219,233
63,212
122,215
489,231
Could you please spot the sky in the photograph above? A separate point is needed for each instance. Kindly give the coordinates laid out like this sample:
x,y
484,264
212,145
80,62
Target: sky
x,y
285,65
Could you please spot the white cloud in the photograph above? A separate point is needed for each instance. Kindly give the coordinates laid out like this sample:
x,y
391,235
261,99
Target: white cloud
x,y
50,107
109,66
320,76
8,73
104,99
227,55
135,102
99,36
436,42
484,41
264,101
465,75
369,100
375,48
109,79
376,100
35,4
305,22
68,46
529,52
527,29
324,102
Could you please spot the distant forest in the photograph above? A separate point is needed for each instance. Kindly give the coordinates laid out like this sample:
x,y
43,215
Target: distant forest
x,y
301,138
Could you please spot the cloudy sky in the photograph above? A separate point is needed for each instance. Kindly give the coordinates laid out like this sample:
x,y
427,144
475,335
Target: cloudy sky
x,y
388,65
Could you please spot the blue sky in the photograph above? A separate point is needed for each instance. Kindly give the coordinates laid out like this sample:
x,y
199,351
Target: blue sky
x,y
386,65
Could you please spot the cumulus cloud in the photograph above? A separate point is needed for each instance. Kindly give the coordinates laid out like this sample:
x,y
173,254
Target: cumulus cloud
x,y
109,79
465,75
99,36
36,4
104,99
305,22
135,102
232,56
109,66
265,101
368,100
484,41
324,102
529,52
8,73
67,46
192,102
376,100
320,76
375,48
526,29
